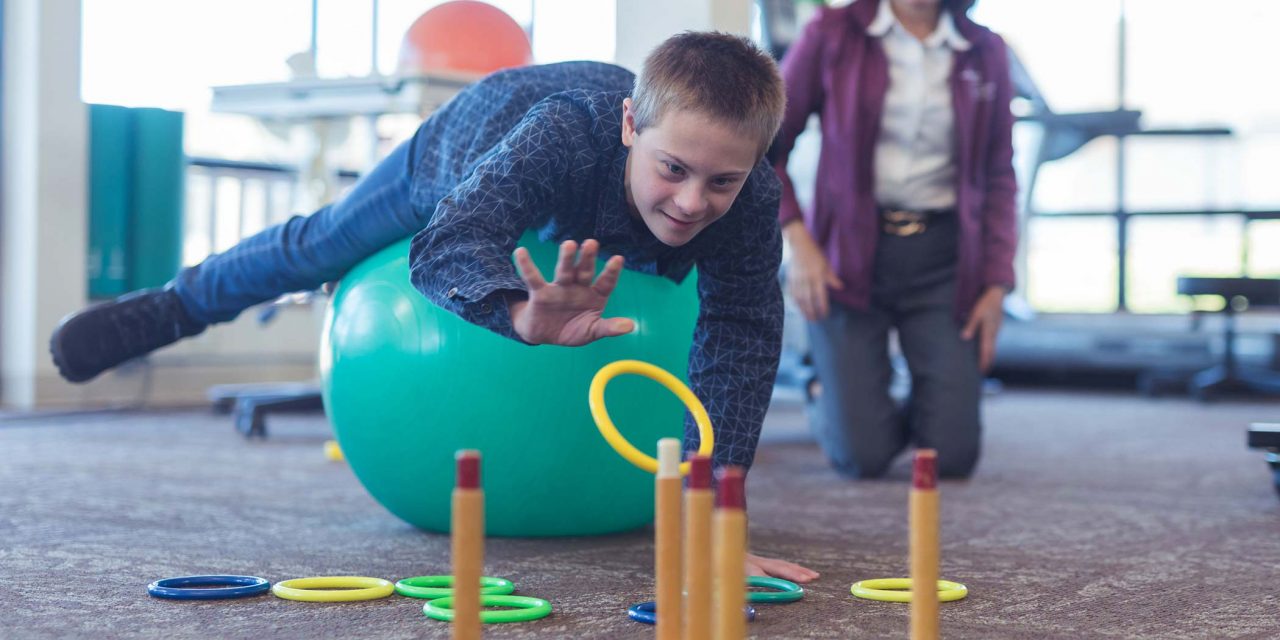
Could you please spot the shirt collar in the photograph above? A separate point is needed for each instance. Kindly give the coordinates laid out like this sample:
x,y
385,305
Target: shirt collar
x,y
945,33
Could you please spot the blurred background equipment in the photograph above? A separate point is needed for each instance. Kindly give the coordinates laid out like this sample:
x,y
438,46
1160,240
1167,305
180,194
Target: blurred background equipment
x,y
443,50
137,171
781,21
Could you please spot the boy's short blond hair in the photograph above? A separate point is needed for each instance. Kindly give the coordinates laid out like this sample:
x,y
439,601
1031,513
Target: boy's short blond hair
x,y
719,75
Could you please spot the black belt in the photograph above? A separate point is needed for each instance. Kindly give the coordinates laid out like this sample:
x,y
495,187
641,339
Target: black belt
x,y
908,222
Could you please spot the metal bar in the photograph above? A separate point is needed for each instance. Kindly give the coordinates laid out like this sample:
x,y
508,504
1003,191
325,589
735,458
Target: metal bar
x,y
1122,219
268,214
1244,247
212,229
1192,131
219,163
250,168
1122,50
1255,214
1122,229
373,55
315,31
241,183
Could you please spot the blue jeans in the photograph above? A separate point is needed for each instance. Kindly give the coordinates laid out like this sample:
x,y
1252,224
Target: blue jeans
x,y
305,252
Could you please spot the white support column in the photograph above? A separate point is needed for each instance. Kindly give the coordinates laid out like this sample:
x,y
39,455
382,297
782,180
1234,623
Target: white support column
x,y
643,25
43,185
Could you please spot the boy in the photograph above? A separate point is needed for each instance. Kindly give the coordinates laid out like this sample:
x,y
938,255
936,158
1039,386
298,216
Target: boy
x,y
664,177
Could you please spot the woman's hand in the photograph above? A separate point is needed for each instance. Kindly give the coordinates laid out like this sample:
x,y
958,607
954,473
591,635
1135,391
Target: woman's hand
x,y
984,322
809,275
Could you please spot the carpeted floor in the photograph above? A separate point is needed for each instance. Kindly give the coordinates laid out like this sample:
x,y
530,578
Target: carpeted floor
x,y
1092,516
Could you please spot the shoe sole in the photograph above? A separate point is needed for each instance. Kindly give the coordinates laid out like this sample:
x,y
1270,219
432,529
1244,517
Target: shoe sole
x,y
56,347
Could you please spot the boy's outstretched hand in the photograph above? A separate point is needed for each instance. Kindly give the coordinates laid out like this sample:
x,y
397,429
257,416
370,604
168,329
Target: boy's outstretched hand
x,y
758,566
569,310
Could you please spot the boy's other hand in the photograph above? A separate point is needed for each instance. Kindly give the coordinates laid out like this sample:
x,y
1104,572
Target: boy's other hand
x,y
758,566
568,311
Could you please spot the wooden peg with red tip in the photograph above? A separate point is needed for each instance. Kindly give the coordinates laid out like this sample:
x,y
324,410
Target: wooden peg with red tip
x,y
925,549
730,542
666,525
467,539
699,501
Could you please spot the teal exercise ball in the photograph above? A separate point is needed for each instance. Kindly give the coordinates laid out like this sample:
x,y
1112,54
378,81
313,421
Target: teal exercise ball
x,y
407,384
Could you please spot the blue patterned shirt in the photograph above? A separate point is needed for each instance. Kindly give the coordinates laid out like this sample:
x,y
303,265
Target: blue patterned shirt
x,y
541,148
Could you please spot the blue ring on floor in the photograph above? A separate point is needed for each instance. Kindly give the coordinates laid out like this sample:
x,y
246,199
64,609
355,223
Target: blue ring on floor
x,y
647,612
208,587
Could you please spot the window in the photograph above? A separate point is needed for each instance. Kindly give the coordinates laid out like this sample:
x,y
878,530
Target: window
x,y
195,45
1192,204
1071,264
190,47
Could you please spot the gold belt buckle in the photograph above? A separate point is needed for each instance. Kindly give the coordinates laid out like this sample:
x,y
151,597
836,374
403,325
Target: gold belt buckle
x,y
903,223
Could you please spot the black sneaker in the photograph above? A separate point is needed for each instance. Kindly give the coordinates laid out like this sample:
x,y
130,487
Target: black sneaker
x,y
105,335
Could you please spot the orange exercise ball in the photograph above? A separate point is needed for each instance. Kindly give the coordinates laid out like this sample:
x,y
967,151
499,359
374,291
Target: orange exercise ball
x,y
466,36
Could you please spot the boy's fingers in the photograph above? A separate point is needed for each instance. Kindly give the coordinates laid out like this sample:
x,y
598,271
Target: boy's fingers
x,y
610,327
587,260
780,568
565,273
528,270
609,277
790,572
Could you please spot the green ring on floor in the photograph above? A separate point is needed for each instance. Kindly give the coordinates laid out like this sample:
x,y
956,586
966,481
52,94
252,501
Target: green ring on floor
x,y
784,590
526,609
899,590
432,587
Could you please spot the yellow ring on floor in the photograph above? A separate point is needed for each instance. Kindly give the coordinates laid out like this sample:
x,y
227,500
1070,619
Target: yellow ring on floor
x,y
600,414
333,589
899,590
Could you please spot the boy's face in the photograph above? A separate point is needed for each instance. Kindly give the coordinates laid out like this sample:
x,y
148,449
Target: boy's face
x,y
684,173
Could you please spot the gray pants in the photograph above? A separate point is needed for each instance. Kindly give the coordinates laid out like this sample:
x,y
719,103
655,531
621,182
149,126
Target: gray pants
x,y
855,419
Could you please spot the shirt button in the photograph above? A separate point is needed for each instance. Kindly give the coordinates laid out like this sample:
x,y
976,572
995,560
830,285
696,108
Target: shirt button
x,y
452,293
486,308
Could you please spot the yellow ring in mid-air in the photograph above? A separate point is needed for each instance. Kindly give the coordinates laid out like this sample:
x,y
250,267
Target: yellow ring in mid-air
x,y
661,376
